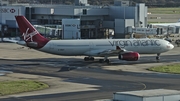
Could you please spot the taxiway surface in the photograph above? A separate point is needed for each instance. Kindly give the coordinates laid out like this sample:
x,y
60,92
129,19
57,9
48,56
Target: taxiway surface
x,y
72,79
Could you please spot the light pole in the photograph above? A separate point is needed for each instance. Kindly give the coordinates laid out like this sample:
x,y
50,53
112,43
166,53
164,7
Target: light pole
x,y
1,25
124,20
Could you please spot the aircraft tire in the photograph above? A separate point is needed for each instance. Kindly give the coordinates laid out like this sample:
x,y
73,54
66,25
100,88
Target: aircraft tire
x,y
86,58
91,58
107,61
157,58
101,60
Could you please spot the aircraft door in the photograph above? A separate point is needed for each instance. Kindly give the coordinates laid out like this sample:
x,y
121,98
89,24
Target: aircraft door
x,y
51,47
91,45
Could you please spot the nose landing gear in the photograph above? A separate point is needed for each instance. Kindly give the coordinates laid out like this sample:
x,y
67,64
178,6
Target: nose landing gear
x,y
158,57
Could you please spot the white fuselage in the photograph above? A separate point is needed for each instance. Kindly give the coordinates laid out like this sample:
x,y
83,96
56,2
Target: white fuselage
x,y
95,46
167,24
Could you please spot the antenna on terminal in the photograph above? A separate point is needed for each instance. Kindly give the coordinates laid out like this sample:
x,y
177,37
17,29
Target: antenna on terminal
x,y
18,11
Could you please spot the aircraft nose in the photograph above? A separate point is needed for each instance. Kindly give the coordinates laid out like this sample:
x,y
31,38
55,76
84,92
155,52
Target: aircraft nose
x,y
170,46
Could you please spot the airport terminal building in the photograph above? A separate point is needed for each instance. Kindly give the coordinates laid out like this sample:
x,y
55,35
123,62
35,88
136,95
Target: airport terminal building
x,y
81,20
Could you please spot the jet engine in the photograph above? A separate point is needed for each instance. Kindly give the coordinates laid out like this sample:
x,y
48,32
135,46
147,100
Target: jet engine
x,y
131,56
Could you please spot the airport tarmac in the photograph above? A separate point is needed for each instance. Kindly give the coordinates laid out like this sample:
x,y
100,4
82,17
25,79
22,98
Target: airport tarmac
x,y
72,79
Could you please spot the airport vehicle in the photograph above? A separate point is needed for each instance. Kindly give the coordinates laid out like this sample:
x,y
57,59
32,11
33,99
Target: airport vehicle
x,y
125,49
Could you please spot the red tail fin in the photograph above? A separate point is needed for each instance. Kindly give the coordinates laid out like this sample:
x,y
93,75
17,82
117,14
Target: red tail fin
x,y
30,35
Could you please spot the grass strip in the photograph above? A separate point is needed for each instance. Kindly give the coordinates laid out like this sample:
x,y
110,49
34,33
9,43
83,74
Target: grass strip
x,y
171,68
165,10
13,87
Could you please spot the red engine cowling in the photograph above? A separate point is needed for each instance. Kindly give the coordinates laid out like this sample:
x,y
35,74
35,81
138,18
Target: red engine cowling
x,y
131,56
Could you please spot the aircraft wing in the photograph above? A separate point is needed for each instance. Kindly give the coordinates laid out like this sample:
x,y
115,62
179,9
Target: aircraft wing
x,y
118,50
107,52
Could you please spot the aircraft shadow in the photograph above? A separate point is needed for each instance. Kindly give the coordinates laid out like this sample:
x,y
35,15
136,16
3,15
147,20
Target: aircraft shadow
x,y
114,60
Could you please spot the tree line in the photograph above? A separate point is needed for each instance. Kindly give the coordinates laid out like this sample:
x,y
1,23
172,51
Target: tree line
x,y
160,3
153,3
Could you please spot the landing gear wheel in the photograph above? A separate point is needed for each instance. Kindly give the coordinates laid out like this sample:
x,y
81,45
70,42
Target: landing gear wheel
x,y
86,58
91,58
107,61
101,60
157,58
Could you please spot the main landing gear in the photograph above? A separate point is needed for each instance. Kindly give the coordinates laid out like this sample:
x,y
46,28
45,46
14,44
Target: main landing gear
x,y
104,60
158,57
90,58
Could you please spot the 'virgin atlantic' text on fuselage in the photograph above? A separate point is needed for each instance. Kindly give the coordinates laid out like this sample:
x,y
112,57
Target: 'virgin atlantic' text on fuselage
x,y
124,43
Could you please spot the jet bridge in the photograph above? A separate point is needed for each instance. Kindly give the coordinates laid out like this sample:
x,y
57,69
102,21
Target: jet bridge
x,y
146,31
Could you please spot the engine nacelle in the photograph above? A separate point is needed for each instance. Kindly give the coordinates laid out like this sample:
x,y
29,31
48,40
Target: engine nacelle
x,y
131,56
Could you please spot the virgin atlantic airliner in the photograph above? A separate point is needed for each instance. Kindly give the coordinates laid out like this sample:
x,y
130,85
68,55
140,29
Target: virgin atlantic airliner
x,y
124,49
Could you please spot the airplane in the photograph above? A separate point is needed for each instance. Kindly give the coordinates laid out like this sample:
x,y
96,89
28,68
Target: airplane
x,y
125,49
176,24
